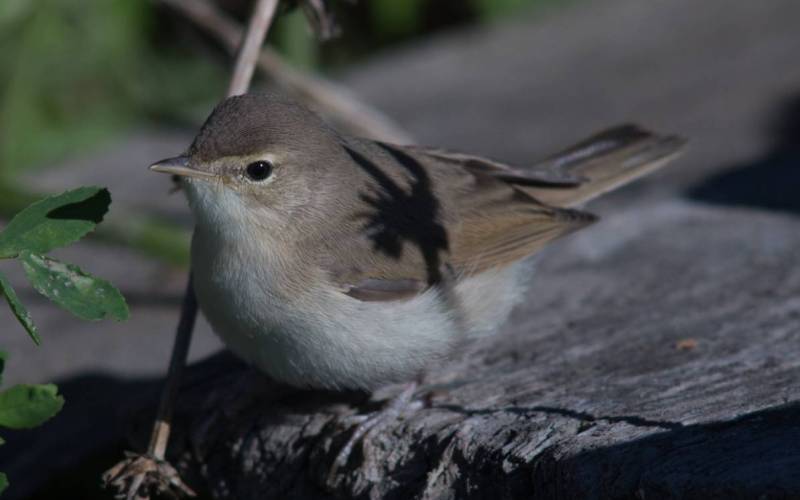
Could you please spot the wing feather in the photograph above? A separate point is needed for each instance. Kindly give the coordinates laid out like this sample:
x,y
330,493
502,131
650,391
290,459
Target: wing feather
x,y
601,163
431,209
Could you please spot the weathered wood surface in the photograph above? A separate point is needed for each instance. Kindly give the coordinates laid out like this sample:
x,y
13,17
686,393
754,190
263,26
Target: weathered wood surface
x,y
655,357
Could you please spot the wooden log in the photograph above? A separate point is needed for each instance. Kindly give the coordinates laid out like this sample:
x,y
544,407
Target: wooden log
x,y
653,357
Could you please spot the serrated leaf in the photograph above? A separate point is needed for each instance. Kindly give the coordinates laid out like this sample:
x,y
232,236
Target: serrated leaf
x,y
54,221
19,310
80,293
25,406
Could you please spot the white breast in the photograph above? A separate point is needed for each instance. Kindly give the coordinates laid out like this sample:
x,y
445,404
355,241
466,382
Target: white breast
x,y
321,337
316,336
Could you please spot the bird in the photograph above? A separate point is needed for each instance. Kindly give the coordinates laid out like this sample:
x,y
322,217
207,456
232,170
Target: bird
x,y
337,262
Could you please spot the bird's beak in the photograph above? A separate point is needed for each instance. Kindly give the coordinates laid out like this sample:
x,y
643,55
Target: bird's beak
x,y
179,166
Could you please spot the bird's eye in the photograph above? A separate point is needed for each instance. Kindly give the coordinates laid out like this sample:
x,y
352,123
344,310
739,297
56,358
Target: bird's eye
x,y
259,170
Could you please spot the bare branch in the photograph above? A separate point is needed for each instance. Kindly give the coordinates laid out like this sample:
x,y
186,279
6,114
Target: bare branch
x,y
139,475
180,350
247,59
327,98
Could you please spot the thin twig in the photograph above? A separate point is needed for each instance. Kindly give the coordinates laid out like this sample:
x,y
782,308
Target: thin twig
x,y
240,82
331,100
180,351
248,52
152,471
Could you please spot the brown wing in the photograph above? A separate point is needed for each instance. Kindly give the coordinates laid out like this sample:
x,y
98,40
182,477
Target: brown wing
x,y
535,176
601,163
426,218
497,234
434,210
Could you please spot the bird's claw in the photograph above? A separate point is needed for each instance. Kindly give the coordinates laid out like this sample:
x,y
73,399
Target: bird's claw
x,y
137,477
365,425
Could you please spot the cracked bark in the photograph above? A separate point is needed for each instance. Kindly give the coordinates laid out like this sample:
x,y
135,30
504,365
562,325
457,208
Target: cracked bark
x,y
587,393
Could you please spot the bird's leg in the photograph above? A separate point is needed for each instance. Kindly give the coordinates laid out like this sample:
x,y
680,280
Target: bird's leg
x,y
404,401
366,424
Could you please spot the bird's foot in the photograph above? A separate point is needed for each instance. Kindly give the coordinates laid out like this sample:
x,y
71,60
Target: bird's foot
x,y
366,424
140,476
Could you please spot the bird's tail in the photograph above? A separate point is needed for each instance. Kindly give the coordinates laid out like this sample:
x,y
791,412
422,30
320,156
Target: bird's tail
x,y
605,161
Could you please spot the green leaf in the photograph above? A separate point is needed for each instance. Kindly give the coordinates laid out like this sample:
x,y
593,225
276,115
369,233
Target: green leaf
x,y
76,291
54,221
3,482
19,310
26,406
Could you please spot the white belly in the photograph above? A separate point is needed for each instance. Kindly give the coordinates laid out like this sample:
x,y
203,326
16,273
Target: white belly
x,y
319,337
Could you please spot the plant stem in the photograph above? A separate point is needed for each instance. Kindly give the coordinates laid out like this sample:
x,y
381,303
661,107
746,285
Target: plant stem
x,y
331,100
240,81
180,350
247,58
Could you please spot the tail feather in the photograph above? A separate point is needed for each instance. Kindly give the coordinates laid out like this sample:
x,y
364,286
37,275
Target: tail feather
x,y
604,162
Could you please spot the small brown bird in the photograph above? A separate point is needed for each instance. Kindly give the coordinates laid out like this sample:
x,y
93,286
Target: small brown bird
x,y
336,262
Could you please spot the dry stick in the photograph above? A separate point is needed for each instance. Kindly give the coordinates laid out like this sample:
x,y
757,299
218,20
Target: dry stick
x,y
333,101
253,40
242,75
180,349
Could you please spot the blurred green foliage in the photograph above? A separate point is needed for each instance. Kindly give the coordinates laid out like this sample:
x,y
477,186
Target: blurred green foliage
x,y
76,72
291,34
371,25
392,19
